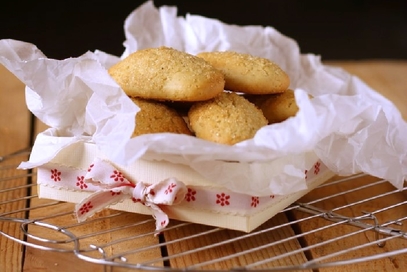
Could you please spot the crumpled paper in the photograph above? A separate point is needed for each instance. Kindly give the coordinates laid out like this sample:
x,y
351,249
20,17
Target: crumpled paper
x,y
346,124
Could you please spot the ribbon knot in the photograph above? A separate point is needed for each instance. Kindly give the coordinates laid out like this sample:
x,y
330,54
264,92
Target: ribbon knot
x,y
115,187
140,192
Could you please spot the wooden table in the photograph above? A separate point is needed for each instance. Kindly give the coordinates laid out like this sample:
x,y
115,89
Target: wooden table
x,y
387,77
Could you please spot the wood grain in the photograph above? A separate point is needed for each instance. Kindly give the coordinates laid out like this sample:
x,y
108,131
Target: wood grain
x,y
333,230
236,244
99,231
14,136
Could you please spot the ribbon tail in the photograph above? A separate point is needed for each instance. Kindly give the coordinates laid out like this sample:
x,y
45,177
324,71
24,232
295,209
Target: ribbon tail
x,y
96,202
161,218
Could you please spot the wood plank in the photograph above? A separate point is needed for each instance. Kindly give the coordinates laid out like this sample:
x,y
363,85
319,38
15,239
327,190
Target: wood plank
x,y
332,231
103,228
14,117
14,136
217,256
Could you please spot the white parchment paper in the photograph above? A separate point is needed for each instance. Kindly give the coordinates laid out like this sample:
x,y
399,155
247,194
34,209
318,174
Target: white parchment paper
x,y
347,125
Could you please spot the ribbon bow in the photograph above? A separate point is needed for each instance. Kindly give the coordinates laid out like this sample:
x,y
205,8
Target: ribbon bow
x,y
115,188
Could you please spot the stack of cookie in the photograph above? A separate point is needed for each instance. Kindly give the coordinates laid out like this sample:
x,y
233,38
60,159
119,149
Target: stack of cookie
x,y
223,97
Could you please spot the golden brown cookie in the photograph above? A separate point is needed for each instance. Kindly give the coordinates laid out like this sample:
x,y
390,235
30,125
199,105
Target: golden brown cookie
x,y
248,74
164,73
227,119
155,117
276,107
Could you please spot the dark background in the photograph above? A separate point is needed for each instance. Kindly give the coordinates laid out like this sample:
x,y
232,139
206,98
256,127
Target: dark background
x,y
358,29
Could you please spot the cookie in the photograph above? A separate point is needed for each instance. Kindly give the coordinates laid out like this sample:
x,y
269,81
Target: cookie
x,y
248,74
276,107
164,73
227,119
155,117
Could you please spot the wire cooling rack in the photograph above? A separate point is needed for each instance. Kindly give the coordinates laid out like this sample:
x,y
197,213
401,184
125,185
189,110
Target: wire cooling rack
x,y
301,237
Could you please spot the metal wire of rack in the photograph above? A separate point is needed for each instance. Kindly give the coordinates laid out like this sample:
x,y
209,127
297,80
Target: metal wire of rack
x,y
120,239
